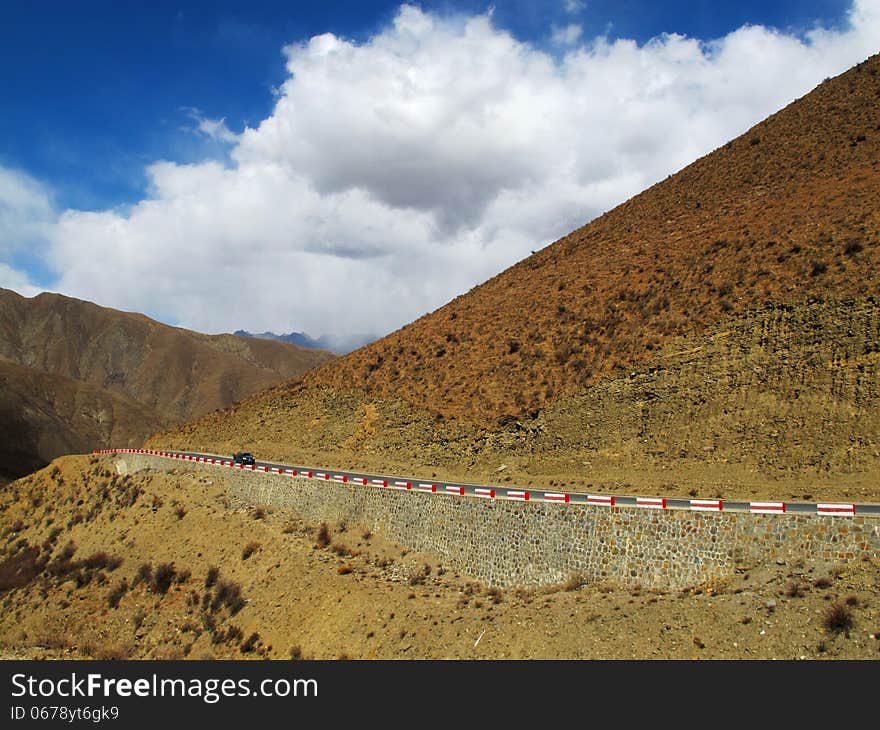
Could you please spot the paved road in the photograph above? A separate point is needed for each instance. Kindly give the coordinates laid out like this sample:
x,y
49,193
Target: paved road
x,y
387,481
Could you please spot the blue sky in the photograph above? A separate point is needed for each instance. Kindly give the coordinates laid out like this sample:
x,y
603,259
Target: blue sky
x,y
102,88
94,94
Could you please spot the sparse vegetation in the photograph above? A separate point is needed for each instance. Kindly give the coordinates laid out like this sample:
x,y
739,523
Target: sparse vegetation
x,y
163,578
115,596
249,550
212,576
144,574
838,618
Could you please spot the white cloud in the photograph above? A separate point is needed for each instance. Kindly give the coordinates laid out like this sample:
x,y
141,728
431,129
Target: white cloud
x,y
216,129
565,35
17,281
26,218
394,174
25,211
573,6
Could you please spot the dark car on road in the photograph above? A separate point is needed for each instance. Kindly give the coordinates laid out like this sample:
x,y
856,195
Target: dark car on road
x,y
244,457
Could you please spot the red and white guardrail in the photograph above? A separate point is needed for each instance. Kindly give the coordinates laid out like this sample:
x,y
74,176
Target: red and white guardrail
x,y
521,495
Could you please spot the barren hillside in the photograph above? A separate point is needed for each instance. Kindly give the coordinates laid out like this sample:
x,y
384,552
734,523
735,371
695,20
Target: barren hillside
x,y
78,376
718,331
98,564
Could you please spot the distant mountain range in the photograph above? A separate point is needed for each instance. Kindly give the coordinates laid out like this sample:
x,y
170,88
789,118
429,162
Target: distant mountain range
x,y
338,344
75,376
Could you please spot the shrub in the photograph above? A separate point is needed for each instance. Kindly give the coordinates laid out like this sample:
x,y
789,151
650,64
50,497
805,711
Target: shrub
x,y
852,248
20,569
251,643
180,512
837,618
163,578
115,596
100,560
68,551
420,577
249,550
296,652
228,594
144,574
823,582
323,536
212,576
793,589
259,512
819,267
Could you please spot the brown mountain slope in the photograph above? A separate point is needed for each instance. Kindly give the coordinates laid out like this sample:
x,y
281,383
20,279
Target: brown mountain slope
x,y
43,415
760,260
85,360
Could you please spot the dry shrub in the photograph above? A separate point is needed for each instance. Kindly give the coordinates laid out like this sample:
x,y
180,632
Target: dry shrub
x,y
114,653
251,643
249,550
323,536
100,560
115,596
20,569
212,576
838,617
228,594
163,578
144,574
421,576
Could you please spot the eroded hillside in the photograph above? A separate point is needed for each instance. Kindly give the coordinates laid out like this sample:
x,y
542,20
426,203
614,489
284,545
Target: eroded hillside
x,y
717,332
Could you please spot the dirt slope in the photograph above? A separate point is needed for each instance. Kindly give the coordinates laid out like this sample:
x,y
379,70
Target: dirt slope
x,y
717,331
81,575
78,375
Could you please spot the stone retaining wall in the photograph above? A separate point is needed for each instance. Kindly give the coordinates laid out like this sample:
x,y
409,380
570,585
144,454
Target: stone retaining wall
x,y
504,543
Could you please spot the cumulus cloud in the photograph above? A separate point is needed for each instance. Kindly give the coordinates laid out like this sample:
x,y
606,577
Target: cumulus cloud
x,y
396,173
25,211
26,217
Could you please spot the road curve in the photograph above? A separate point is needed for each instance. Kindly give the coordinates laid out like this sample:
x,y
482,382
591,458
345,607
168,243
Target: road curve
x,y
480,491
